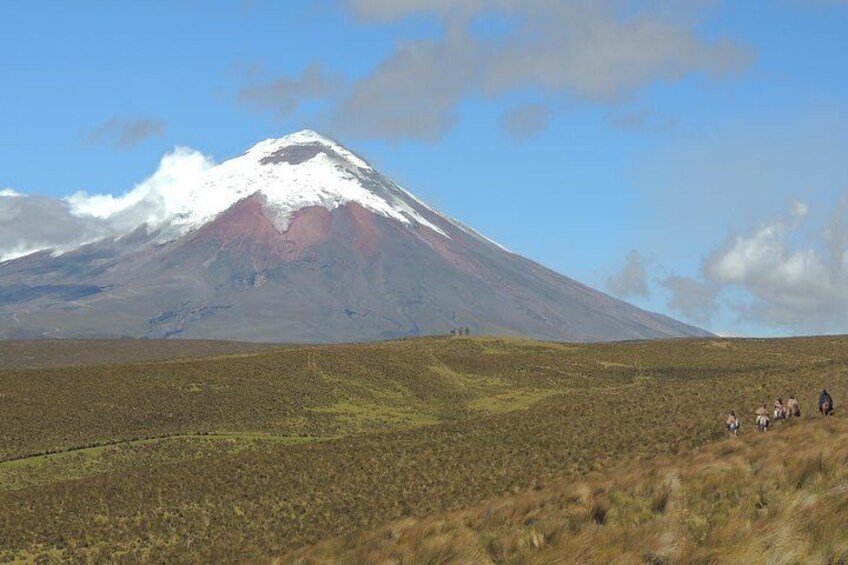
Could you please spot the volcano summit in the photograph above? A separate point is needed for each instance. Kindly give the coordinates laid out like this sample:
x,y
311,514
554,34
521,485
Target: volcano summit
x,y
300,240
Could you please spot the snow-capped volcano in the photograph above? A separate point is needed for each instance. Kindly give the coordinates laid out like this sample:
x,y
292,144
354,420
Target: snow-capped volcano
x,y
292,173
296,240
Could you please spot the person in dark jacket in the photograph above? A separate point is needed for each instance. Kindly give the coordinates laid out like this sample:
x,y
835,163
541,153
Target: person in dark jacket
x,y
825,403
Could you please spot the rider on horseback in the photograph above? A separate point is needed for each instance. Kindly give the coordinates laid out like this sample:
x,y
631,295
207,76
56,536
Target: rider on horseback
x,y
732,423
825,403
763,421
779,409
793,407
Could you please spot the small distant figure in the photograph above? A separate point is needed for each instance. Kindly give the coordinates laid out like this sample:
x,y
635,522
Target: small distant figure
x,y
826,403
779,409
732,423
453,332
763,422
467,331
793,406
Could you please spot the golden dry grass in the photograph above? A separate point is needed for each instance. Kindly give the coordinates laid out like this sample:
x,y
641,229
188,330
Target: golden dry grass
x,y
780,497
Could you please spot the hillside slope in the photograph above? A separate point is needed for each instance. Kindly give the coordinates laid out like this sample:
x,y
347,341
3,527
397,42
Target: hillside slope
x,y
242,458
780,497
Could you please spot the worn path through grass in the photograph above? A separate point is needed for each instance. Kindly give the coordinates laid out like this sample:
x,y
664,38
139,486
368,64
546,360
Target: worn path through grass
x,y
131,456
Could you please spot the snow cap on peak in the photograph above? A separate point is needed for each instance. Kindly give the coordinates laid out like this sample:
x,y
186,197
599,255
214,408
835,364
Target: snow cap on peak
x,y
299,147
307,136
297,171
304,169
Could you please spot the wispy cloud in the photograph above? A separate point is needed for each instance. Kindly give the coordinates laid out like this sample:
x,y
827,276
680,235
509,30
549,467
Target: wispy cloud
x,y
642,121
632,280
693,298
285,94
124,133
526,121
594,52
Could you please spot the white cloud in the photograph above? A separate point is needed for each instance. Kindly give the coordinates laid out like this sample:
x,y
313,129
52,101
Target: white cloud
x,y
764,258
782,274
153,201
33,223
601,51
799,210
696,300
632,280
30,223
799,286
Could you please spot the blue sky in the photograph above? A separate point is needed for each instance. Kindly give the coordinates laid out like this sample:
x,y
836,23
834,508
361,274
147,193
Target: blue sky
x,y
689,156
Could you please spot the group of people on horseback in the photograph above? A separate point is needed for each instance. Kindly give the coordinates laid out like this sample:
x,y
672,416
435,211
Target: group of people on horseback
x,y
790,409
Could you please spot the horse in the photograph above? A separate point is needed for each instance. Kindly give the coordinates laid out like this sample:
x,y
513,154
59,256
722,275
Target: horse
x,y
826,407
763,423
735,428
780,413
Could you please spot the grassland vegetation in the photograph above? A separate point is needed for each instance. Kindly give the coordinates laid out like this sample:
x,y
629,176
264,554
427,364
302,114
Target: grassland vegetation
x,y
51,353
244,458
762,498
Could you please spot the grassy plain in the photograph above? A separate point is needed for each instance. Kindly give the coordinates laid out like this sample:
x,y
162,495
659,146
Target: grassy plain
x,y
51,353
248,455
